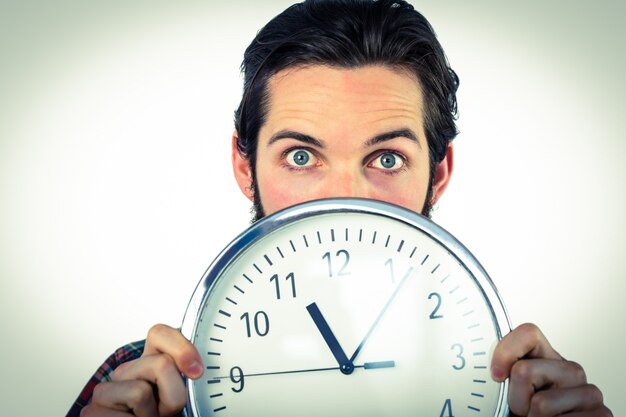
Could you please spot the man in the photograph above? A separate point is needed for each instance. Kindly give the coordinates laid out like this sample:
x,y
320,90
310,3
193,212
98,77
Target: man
x,y
353,99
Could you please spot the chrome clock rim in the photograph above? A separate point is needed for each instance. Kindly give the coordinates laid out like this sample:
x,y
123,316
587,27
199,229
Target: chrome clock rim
x,y
301,211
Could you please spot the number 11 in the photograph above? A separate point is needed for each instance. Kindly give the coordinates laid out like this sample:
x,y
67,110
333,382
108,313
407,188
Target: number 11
x,y
290,277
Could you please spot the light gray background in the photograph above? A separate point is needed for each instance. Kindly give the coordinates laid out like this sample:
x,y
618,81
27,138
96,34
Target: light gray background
x,y
116,192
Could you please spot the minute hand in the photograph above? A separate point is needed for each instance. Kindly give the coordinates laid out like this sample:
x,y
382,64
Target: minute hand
x,y
380,315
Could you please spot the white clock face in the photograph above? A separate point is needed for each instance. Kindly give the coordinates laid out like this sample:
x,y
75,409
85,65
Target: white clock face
x,y
350,313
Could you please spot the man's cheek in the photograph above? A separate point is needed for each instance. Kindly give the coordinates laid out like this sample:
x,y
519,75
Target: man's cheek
x,y
276,195
406,196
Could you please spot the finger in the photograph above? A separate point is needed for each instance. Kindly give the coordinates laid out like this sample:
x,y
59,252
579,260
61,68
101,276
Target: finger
x,y
599,412
531,375
96,410
136,396
584,399
121,366
526,341
159,370
544,373
165,339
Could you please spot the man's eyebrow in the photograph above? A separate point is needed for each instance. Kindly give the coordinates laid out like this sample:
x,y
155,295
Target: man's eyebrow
x,y
398,133
291,134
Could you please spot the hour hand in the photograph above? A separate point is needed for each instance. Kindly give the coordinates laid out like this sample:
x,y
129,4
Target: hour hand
x,y
345,365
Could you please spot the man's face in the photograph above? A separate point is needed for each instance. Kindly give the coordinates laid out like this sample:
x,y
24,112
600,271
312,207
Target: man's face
x,y
333,132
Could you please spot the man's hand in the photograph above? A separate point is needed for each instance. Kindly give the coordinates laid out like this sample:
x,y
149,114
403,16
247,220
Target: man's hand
x,y
151,385
542,383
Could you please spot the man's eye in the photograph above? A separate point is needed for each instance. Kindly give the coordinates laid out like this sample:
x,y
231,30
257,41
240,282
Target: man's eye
x,y
300,158
388,161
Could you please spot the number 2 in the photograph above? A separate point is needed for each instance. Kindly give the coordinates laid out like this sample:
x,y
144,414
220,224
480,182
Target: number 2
x,y
434,314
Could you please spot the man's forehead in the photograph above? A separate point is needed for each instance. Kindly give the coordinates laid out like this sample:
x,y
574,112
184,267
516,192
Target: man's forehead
x,y
374,92
358,107
315,73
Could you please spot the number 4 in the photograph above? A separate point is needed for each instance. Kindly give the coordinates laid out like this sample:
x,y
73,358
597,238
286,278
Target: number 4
x,y
447,409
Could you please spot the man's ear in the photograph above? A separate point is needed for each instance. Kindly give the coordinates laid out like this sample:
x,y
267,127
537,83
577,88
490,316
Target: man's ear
x,y
443,172
241,169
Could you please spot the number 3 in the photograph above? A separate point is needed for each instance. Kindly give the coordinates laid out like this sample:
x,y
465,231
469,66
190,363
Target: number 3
x,y
459,355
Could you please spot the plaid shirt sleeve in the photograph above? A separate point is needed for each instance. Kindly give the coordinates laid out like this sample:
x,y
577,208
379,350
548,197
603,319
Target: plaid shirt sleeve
x,y
124,354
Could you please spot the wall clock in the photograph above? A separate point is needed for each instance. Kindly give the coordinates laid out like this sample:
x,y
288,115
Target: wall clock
x,y
346,307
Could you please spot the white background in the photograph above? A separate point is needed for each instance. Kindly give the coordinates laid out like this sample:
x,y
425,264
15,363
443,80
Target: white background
x,y
116,192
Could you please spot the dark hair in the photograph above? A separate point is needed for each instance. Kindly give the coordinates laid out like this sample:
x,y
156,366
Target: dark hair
x,y
349,34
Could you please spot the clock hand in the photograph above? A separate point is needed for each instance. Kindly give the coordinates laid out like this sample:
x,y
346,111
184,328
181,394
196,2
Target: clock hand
x,y
366,365
345,364
377,365
380,315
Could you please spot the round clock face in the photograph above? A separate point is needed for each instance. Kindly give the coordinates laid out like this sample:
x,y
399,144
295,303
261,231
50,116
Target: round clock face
x,y
346,307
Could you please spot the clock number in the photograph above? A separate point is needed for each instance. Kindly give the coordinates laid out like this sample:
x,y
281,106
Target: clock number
x,y
459,355
290,277
346,259
390,263
261,327
434,314
447,409
236,377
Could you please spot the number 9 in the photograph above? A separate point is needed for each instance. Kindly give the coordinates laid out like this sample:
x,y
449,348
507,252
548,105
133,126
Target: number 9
x,y
236,376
